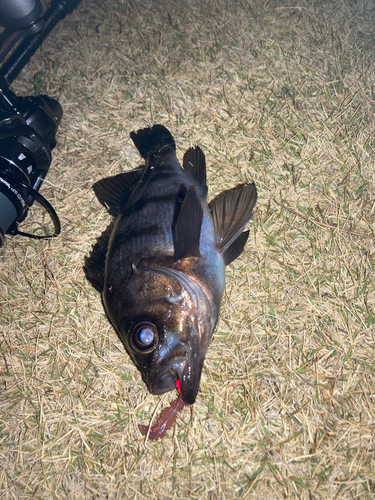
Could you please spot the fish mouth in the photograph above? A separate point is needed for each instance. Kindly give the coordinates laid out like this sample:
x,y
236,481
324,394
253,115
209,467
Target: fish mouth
x,y
162,382
181,376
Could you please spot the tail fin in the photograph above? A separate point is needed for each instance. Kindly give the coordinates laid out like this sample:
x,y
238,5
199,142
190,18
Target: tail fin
x,y
150,141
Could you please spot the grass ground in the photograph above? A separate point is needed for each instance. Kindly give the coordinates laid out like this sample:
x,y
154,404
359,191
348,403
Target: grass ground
x,y
281,93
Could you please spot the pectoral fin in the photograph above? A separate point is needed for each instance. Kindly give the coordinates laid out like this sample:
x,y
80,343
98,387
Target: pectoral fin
x,y
188,226
231,211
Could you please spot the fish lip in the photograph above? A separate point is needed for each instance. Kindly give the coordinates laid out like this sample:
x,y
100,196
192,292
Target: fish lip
x,y
189,383
165,381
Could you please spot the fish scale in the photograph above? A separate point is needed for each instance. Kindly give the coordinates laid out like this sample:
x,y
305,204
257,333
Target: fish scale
x,y
160,265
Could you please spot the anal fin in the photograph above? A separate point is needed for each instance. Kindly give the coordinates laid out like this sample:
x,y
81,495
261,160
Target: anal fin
x,y
188,226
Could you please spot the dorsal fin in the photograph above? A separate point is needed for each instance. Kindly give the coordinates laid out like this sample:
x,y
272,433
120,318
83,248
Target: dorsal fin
x,y
236,248
95,262
151,141
187,230
113,192
231,211
195,163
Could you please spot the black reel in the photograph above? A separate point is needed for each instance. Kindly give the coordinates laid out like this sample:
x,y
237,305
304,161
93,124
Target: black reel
x,y
27,135
28,125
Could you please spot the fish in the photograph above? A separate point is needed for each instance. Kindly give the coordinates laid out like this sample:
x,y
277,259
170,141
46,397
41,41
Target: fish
x,y
160,264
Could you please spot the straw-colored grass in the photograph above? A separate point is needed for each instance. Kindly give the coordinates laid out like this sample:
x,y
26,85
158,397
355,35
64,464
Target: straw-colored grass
x,y
281,93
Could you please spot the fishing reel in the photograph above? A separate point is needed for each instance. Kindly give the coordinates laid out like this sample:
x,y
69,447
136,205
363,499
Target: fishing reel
x,y
28,125
28,128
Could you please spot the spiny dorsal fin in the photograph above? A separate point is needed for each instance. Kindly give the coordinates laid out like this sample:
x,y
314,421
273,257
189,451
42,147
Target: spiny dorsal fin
x,y
231,211
187,230
195,163
151,141
95,262
113,192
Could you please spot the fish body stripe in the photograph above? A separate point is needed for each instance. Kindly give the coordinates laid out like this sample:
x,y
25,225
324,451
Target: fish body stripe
x,y
135,241
145,223
148,203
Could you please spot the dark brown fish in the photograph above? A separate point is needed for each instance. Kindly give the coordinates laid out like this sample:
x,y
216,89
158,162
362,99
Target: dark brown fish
x,y
160,264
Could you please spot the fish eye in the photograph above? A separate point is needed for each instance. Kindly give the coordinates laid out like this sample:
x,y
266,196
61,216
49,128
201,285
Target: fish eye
x,y
144,337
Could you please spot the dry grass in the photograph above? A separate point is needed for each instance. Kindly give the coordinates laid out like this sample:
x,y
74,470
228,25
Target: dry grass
x,y
281,93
